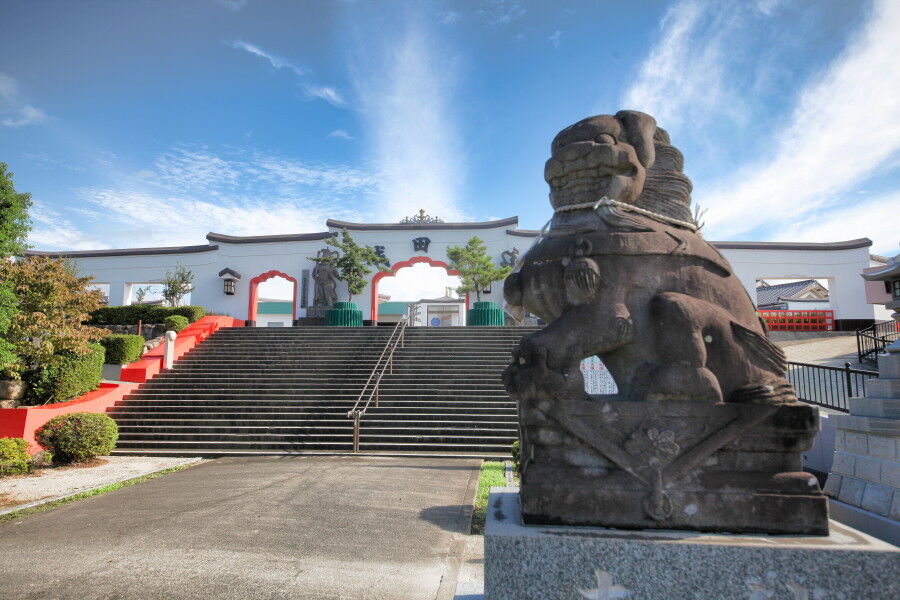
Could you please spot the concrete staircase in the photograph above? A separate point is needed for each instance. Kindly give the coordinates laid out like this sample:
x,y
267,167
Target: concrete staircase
x,y
273,390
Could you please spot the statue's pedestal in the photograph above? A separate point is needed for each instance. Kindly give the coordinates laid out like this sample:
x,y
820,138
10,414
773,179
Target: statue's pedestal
x,y
551,562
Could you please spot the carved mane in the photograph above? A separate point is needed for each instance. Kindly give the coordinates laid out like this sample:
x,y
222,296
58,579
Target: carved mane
x,y
667,190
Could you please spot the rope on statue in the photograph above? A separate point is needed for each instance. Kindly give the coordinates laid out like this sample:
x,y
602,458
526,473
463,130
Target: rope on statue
x,y
604,201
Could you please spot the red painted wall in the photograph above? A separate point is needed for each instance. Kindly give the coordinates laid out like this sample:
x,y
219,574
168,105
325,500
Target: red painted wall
x,y
23,422
254,292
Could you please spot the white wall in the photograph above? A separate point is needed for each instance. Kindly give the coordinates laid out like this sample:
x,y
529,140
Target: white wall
x,y
842,268
264,320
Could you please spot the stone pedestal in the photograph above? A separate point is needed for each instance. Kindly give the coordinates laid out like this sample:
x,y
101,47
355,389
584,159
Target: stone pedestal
x,y
866,469
560,562
317,312
674,464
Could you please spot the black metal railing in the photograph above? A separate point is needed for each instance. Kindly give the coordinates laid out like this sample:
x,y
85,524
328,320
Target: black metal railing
x,y
830,387
872,339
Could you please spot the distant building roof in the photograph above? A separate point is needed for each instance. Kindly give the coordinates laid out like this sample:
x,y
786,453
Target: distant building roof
x,y
767,295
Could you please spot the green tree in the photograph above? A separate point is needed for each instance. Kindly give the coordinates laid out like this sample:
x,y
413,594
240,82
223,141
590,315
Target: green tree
x,y
353,262
14,228
476,269
53,305
14,224
177,285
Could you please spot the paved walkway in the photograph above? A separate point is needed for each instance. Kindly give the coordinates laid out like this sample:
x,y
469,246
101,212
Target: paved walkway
x,y
267,527
832,352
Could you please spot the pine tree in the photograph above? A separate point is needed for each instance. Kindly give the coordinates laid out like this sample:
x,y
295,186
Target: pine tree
x,y
352,265
476,269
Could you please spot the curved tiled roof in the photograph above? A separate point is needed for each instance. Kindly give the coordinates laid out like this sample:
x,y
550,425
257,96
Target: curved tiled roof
x,y
264,239
122,251
420,226
773,294
845,245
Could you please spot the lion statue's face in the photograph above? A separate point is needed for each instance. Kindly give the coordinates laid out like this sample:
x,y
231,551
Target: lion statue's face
x,y
601,156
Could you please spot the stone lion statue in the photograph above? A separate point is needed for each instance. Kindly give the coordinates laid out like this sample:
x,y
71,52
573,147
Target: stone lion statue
x,y
621,272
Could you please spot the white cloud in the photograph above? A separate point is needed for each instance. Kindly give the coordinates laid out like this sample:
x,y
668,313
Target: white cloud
x,y
275,61
844,128
195,169
51,230
684,71
449,18
322,92
341,134
871,218
554,38
328,94
500,12
407,89
190,192
186,220
16,112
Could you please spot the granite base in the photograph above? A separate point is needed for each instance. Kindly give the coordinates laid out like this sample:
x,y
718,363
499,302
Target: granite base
x,y
561,562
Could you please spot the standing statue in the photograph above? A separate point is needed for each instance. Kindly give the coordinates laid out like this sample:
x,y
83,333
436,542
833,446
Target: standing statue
x,y
706,432
325,276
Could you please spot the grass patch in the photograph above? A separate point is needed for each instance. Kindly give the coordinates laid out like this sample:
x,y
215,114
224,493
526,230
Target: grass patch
x,y
95,492
493,474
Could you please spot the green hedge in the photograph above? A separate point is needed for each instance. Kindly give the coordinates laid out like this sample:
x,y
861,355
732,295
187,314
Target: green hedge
x,y
148,313
14,459
74,375
78,437
122,348
175,323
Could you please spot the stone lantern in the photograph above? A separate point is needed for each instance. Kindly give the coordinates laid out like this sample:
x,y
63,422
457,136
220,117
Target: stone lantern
x,y
890,274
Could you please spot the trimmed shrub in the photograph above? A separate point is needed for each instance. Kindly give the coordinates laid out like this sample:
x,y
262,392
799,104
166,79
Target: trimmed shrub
x,y
122,348
14,459
78,437
72,376
148,313
191,313
175,323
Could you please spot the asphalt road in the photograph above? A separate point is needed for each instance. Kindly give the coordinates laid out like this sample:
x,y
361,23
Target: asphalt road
x,y
262,527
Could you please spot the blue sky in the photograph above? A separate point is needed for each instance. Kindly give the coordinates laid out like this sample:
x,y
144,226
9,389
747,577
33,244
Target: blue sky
x,y
151,123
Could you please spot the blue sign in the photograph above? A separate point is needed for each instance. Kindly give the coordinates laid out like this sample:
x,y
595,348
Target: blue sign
x,y
435,322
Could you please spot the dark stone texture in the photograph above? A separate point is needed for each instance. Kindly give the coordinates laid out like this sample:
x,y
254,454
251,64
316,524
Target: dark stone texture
x,y
706,433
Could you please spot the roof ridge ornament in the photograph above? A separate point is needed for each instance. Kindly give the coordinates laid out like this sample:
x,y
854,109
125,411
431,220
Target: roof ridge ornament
x,y
421,218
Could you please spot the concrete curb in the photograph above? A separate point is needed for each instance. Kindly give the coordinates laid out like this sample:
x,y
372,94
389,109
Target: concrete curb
x,y
42,501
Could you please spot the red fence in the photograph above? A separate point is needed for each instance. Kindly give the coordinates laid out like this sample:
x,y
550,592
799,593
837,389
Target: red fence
x,y
798,320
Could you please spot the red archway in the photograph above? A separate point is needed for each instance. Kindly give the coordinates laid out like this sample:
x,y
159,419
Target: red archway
x,y
254,293
396,267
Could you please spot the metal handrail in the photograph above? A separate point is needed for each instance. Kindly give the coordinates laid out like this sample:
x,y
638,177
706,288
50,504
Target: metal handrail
x,y
831,387
873,339
384,363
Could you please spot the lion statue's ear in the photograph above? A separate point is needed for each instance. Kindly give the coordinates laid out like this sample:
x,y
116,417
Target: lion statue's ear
x,y
640,128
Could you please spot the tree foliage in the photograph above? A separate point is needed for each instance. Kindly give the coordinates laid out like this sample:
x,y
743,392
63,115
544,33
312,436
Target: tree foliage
x,y
476,269
14,225
13,231
352,264
53,303
177,285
